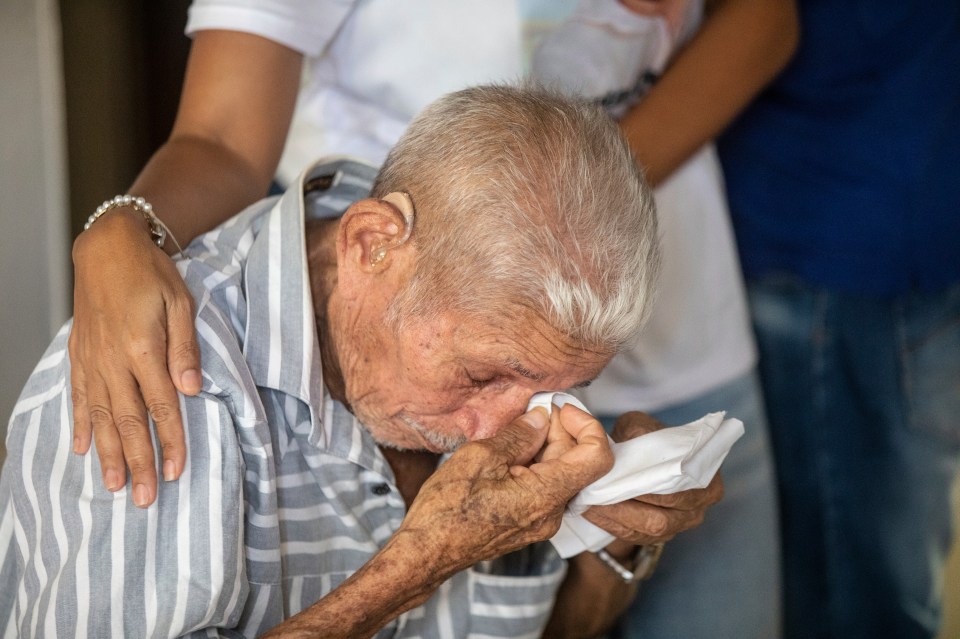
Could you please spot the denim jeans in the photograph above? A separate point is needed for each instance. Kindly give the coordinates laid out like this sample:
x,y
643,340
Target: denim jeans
x,y
722,579
863,396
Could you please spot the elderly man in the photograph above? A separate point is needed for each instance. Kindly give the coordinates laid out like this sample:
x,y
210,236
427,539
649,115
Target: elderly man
x,y
508,247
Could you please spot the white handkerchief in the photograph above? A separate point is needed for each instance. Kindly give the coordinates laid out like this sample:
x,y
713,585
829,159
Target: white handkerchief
x,y
666,461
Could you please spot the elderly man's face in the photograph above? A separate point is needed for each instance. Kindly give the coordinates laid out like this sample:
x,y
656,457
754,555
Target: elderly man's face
x,y
436,383
441,383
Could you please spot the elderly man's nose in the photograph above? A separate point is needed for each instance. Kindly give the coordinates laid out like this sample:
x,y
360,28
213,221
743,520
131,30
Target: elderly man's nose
x,y
501,408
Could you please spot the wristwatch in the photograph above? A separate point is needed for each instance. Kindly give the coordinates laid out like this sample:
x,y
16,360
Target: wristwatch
x,y
640,566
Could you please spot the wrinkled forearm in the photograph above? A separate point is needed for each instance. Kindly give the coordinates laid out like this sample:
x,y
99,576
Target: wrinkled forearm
x,y
399,577
591,597
739,49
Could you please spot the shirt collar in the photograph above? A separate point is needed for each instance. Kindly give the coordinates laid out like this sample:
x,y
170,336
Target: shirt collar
x,y
281,344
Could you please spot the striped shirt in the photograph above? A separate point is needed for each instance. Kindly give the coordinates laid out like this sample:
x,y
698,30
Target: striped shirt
x,y
284,494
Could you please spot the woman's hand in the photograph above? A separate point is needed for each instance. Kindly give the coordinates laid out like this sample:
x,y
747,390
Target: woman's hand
x,y
132,346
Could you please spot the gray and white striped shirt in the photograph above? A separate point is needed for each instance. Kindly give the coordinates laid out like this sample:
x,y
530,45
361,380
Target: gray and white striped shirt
x,y
284,495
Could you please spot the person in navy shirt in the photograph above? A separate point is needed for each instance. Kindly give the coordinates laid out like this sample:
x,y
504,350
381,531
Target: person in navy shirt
x,y
844,187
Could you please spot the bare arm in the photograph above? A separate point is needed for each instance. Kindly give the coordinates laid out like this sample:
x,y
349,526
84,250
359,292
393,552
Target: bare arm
x,y
132,345
235,110
400,577
740,48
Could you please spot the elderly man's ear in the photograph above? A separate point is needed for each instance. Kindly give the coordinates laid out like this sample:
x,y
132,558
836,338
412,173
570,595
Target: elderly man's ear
x,y
372,240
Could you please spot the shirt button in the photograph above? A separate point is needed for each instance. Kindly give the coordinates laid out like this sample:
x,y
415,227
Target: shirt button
x,y
381,489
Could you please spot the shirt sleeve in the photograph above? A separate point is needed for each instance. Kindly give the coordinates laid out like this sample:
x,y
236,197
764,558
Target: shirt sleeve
x,y
78,560
307,26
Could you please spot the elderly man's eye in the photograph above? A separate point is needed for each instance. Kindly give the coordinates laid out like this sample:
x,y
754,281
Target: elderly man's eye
x,y
478,380
480,383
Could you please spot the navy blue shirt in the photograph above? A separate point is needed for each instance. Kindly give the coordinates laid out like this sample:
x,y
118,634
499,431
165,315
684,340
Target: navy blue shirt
x,y
846,170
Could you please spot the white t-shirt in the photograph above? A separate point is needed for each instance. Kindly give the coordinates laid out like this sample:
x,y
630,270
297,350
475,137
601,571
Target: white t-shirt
x,y
373,64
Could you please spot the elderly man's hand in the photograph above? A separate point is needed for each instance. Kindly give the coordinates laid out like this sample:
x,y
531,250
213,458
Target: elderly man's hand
x,y
650,519
489,499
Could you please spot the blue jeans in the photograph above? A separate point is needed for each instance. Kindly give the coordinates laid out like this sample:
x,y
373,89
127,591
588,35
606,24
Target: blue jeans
x,y
722,579
863,396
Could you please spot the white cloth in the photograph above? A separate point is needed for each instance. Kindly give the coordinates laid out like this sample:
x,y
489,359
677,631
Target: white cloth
x,y
666,461
372,64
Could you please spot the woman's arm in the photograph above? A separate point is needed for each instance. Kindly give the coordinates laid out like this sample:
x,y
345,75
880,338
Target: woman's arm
x,y
237,102
739,49
132,345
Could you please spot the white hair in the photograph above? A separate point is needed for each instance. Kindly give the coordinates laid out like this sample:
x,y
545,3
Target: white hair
x,y
526,199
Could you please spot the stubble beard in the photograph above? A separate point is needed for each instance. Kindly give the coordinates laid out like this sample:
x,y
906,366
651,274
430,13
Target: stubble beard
x,y
380,429
445,443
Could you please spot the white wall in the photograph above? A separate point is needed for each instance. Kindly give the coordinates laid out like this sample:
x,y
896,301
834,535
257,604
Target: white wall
x,y
34,243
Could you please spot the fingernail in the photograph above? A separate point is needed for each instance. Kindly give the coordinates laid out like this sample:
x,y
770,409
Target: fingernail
x,y
111,479
169,470
190,380
538,417
141,496
76,445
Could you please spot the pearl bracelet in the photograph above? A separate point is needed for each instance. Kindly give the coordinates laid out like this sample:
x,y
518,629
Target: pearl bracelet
x,y
158,230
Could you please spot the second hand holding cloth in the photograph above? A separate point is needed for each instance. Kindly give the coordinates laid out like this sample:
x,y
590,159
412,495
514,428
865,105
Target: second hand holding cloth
x,y
667,461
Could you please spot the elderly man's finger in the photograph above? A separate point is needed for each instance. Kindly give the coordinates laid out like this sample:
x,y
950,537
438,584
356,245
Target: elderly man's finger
x,y
634,424
558,441
656,518
694,499
592,446
582,463
183,354
641,523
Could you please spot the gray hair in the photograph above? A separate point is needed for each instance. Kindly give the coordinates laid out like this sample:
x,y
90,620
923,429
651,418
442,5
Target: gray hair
x,y
526,199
